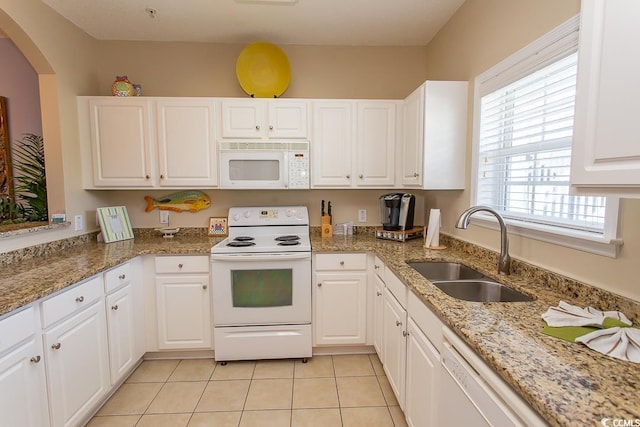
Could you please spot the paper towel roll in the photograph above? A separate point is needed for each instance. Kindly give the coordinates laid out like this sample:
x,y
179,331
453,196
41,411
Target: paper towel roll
x,y
433,229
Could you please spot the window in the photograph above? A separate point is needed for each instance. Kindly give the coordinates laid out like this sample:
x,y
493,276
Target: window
x,y
522,147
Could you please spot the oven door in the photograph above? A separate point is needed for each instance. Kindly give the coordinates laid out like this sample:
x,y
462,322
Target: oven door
x,y
261,289
253,169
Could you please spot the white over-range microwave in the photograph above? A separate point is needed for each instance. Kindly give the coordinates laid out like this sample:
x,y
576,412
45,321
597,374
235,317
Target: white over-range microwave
x,y
264,165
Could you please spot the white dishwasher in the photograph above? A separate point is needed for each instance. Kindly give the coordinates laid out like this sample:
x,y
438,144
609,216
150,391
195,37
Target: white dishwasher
x,y
472,394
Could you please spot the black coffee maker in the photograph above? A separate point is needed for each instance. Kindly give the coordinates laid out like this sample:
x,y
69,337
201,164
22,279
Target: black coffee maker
x,y
396,211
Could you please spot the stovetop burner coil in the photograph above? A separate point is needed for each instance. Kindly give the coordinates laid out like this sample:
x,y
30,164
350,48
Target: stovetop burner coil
x,y
243,238
239,244
289,243
288,238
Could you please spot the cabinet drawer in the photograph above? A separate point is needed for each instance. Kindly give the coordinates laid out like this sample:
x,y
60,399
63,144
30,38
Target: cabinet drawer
x,y
426,320
116,277
341,262
182,264
16,328
397,288
70,301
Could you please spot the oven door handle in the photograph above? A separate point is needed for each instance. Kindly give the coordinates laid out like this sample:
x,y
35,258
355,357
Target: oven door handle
x,y
261,257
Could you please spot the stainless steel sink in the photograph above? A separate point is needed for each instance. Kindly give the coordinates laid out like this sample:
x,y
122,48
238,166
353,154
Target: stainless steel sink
x,y
434,271
481,291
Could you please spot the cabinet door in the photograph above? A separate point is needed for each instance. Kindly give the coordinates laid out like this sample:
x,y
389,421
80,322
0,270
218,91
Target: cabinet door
x,y
77,365
242,118
23,388
412,139
340,315
121,142
184,312
378,323
395,348
423,368
332,144
186,143
376,142
287,119
121,330
606,152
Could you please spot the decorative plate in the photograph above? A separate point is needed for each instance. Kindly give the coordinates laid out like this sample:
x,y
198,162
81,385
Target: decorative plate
x,y
263,70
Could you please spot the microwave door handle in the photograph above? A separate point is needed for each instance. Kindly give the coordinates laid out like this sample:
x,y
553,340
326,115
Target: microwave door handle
x,y
261,257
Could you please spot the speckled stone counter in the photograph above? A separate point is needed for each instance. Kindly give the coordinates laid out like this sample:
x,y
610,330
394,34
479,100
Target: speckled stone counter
x,y
569,384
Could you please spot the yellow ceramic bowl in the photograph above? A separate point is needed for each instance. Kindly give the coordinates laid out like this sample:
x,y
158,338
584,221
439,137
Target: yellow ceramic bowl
x,y
263,70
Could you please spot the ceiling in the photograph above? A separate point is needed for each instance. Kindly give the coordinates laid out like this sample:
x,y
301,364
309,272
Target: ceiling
x,y
307,22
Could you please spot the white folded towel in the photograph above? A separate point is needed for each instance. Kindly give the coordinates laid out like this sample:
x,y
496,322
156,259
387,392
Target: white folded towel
x,y
569,315
621,343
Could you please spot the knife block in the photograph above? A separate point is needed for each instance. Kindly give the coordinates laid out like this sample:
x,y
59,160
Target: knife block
x,y
325,226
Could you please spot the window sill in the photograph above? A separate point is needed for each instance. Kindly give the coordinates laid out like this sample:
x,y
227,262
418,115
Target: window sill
x,y
574,239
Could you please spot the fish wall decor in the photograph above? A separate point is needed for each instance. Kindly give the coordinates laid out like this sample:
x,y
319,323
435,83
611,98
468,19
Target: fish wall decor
x,y
192,201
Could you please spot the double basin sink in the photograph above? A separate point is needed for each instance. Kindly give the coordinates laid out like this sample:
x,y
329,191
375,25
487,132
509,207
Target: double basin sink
x,y
465,283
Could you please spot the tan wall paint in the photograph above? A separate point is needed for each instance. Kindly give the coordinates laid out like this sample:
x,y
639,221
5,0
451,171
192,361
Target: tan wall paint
x,y
482,33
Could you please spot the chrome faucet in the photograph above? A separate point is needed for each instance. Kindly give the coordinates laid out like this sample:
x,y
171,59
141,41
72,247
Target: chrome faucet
x,y
504,263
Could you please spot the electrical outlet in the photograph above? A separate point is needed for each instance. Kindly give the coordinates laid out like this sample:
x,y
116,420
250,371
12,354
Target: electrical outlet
x,y
78,221
164,217
362,215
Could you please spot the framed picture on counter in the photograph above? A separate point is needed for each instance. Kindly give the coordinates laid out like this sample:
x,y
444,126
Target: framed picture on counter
x,y
115,224
218,226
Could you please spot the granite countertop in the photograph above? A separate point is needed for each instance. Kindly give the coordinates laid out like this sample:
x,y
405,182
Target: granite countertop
x,y
567,383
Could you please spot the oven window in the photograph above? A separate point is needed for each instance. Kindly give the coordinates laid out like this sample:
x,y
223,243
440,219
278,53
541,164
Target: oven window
x,y
262,288
254,170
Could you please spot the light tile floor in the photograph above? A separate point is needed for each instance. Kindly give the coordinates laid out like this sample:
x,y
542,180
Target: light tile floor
x,y
346,390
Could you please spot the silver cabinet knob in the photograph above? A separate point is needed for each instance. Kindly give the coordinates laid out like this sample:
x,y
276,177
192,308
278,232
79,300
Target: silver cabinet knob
x,y
114,307
348,176
342,263
161,176
180,265
204,287
35,359
257,127
379,293
398,323
56,346
270,127
377,267
147,177
360,176
80,299
121,277
405,333
319,285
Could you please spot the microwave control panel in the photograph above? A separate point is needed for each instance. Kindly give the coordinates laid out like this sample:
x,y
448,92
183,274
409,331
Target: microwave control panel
x,y
298,169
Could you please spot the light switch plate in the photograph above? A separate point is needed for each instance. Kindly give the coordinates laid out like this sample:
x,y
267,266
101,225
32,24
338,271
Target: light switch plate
x,y
78,222
164,217
362,215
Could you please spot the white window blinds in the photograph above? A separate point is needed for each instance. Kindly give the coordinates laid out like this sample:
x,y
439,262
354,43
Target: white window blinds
x,y
524,147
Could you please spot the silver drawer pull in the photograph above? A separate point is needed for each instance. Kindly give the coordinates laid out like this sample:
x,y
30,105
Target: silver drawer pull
x,y
56,346
180,265
35,359
80,299
114,307
342,263
121,277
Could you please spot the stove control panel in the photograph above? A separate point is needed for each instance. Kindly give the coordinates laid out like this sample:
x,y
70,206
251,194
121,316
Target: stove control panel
x,y
269,213
257,216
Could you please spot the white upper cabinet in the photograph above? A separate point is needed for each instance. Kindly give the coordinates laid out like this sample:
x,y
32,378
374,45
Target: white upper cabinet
x,y
141,142
353,143
120,137
606,149
264,118
186,142
433,151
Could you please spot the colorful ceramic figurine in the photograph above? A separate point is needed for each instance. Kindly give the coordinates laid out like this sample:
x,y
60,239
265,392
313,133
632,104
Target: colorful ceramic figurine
x,y
192,201
122,87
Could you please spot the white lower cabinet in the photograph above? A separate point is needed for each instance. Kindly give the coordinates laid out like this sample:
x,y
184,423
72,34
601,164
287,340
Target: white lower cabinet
x,y
378,316
394,344
121,330
23,388
340,299
423,367
77,364
183,302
